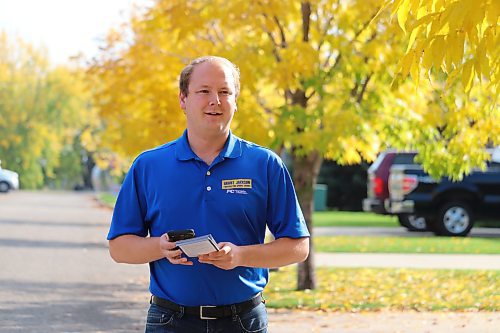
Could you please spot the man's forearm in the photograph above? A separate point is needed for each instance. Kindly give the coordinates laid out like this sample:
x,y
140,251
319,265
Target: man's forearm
x,y
280,252
132,249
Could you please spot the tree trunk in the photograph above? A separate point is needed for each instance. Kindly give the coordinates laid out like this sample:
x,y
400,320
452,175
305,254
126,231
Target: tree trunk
x,y
88,165
305,173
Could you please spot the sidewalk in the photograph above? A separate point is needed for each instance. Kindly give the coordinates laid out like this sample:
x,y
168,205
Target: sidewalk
x,y
404,260
286,321
399,260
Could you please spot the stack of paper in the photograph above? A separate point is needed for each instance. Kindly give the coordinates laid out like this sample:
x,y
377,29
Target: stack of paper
x,y
194,247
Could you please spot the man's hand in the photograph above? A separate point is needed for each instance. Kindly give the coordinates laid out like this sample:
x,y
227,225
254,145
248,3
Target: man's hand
x,y
226,258
174,256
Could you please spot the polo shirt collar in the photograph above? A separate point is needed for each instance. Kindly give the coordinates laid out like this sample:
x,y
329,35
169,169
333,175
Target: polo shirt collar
x,y
232,148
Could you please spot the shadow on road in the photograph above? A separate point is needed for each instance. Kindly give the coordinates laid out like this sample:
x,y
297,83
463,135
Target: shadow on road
x,y
73,307
24,222
12,242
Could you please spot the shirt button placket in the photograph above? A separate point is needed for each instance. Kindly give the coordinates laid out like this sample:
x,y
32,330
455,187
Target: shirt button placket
x,y
208,187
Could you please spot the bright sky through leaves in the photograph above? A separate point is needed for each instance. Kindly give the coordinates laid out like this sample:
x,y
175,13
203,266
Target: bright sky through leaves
x,y
64,27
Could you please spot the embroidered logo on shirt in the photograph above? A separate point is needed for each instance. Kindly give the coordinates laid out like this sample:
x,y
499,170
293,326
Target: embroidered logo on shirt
x,y
231,184
237,191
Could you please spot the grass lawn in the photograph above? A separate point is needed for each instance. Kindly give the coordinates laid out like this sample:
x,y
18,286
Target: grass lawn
x,y
107,198
353,219
364,219
382,244
362,289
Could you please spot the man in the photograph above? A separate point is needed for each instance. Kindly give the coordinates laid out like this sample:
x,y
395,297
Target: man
x,y
215,183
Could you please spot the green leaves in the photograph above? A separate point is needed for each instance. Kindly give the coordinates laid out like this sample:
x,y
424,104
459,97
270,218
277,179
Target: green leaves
x,y
42,110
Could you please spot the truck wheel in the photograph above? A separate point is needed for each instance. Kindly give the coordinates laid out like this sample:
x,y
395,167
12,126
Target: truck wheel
x,y
4,187
413,222
454,219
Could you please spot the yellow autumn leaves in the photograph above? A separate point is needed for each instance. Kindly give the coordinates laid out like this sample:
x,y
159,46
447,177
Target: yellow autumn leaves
x,y
316,76
343,289
458,37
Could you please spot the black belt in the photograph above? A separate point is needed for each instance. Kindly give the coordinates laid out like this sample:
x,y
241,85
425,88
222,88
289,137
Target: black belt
x,y
210,311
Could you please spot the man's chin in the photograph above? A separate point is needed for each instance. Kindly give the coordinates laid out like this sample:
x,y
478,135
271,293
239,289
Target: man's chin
x,y
217,129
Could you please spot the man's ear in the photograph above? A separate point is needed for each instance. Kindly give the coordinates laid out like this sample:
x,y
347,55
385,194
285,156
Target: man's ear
x,y
182,101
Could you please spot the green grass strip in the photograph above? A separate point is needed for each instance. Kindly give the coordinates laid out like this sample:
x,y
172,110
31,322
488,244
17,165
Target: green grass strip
x,y
382,244
107,198
364,219
362,289
353,219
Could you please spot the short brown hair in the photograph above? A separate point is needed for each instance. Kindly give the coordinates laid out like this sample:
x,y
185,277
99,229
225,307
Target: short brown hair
x,y
185,76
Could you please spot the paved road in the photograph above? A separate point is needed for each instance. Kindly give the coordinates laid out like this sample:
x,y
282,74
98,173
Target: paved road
x,y
56,275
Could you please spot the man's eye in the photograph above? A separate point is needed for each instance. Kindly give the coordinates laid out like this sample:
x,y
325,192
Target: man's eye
x,y
225,92
203,91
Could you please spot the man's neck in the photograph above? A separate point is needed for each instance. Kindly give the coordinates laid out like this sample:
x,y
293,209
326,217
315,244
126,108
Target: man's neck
x,y
207,147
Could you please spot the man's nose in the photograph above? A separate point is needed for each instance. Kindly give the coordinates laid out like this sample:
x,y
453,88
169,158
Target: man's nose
x,y
214,99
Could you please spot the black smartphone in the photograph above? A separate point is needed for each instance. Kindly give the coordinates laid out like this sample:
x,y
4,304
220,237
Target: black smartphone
x,y
177,235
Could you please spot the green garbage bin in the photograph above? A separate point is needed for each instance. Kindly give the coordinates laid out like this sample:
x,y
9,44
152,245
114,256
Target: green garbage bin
x,y
320,192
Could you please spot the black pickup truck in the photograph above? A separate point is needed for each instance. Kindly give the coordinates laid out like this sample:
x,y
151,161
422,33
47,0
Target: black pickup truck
x,y
378,188
450,208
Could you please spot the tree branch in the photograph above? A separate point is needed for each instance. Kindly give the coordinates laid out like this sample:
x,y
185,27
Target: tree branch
x,y
282,32
273,40
263,105
365,25
306,20
311,94
363,88
325,32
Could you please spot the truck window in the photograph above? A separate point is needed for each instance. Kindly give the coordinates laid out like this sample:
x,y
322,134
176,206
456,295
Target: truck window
x,y
404,159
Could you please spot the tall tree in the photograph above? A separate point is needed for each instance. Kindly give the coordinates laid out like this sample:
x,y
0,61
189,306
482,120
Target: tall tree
x,y
42,110
316,79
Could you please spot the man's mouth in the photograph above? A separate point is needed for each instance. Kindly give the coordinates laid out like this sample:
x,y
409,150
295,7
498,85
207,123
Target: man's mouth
x,y
213,113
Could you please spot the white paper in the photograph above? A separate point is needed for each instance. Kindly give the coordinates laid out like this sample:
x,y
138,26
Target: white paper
x,y
194,247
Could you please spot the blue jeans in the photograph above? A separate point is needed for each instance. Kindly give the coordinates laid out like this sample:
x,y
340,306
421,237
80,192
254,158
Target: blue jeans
x,y
162,320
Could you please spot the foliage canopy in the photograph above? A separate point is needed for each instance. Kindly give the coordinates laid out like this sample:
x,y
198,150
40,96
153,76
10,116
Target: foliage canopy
x,y
44,112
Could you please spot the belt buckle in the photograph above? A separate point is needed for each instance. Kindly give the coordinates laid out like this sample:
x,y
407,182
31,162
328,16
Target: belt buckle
x,y
201,311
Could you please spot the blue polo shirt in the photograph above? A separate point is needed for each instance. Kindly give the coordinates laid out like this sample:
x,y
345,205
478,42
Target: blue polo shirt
x,y
244,189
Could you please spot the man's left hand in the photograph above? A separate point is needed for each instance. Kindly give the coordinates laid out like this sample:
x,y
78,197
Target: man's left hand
x,y
226,258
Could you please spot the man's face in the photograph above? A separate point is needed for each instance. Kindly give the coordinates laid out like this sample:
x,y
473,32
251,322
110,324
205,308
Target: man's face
x,y
211,102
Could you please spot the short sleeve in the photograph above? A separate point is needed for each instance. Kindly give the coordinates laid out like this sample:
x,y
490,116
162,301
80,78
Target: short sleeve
x,y
284,216
130,208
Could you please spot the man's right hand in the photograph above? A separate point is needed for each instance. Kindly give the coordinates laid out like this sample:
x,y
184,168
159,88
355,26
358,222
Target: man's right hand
x,y
174,256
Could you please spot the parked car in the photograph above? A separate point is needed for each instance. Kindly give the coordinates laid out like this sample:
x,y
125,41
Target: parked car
x,y
450,208
9,180
378,190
